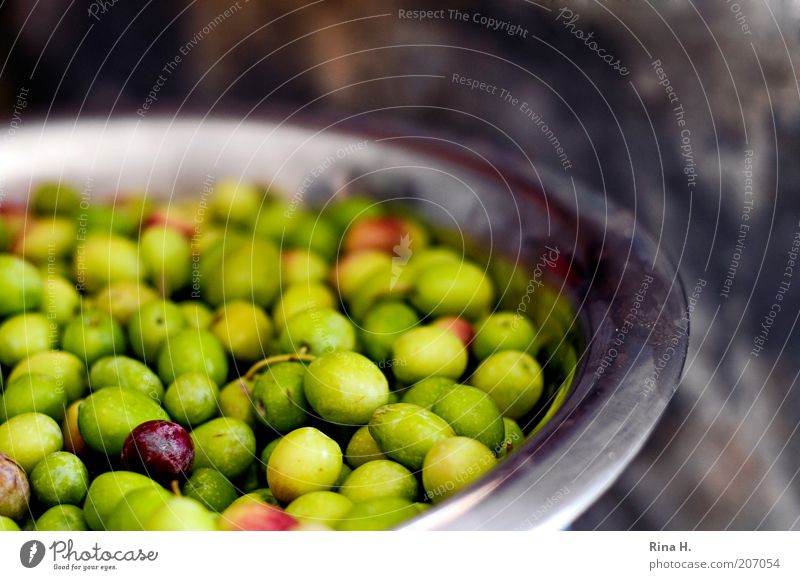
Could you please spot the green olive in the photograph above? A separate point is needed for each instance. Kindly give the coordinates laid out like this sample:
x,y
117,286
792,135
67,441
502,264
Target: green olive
x,y
48,240
305,460
513,379
471,413
383,325
428,351
211,488
58,478
21,286
426,392
33,393
135,506
460,289
192,351
28,438
192,399
167,257
318,331
123,371
302,267
321,507
150,326
94,335
431,258
503,331
314,233
24,335
8,525
197,314
384,286
226,444
105,259
55,198
243,329
301,297
60,300
378,514
514,437
235,203
235,401
354,270
249,272
406,432
277,220
67,370
123,300
380,478
362,448
345,387
452,464
279,397
62,518
180,514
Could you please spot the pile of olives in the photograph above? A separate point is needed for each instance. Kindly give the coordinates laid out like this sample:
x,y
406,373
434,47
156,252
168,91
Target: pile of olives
x,y
243,362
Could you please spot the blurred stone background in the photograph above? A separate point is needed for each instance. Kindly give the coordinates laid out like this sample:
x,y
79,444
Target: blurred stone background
x,y
726,454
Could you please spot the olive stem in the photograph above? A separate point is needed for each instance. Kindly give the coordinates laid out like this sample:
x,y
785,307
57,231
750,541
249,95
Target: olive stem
x,y
254,370
175,487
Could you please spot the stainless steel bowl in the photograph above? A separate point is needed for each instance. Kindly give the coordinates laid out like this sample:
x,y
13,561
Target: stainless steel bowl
x,y
631,310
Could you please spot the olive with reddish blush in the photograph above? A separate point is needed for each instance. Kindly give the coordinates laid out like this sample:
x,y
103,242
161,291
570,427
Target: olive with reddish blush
x,y
160,449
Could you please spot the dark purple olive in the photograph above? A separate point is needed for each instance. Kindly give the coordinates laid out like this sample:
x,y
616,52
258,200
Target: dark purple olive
x,y
161,450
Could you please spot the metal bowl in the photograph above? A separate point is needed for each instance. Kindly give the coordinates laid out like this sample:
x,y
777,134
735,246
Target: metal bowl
x,y
630,306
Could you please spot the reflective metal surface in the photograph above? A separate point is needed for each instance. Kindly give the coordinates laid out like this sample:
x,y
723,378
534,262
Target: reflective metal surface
x,y
631,305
